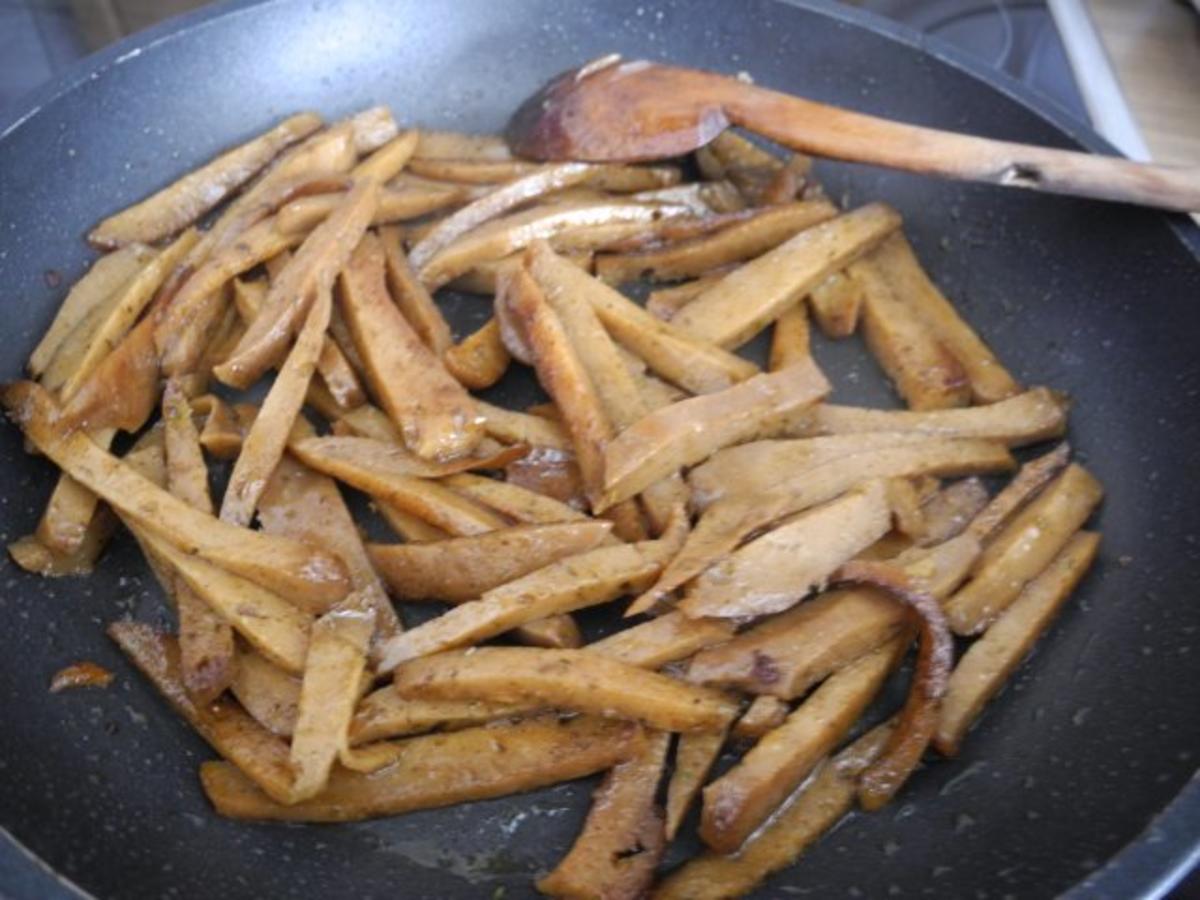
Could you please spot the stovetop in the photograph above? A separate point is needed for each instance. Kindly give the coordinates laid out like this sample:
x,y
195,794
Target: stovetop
x,y
40,38
1017,37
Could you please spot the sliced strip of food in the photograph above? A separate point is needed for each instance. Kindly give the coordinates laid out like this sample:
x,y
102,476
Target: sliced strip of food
x,y
466,193
989,380
1035,415
906,508
514,501
536,184
511,427
558,632
226,334
1024,547
613,178
372,128
74,528
384,714
71,351
131,300
562,285
738,802
745,301
991,660
123,389
757,233
456,570
789,339
695,754
348,458
775,571
637,180
480,359
814,809
329,152
948,513
576,582
280,564
622,840
396,204
762,715
726,523
506,235
306,506
189,318
33,556
186,200
339,375
667,638
436,416
274,627
694,365
264,443
70,509
580,680
314,169
1032,477
412,494
665,302
619,390
408,526
433,144
205,639
836,303
367,421
923,371
385,163
254,753
475,171
310,273
105,277
222,433
688,432
562,373
700,221
335,367
333,671
751,168
267,692
439,770
412,297
786,655
482,278
556,475
760,466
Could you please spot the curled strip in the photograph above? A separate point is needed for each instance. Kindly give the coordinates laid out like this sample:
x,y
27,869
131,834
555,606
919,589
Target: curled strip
x,y
935,658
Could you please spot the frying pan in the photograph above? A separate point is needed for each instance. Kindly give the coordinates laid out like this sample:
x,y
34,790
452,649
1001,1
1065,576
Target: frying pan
x,y
1077,778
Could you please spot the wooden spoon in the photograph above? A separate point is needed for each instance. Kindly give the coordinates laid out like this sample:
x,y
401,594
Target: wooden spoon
x,y
614,111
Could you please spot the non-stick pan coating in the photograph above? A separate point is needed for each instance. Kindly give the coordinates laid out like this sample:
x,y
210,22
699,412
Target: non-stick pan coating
x,y
1097,734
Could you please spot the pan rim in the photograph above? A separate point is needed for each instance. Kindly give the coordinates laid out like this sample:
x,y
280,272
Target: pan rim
x,y
1153,862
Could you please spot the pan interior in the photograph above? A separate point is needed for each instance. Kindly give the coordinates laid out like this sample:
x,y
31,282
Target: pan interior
x,y
1095,735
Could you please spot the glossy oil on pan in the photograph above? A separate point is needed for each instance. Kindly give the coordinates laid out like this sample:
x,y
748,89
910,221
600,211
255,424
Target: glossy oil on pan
x,y
1068,776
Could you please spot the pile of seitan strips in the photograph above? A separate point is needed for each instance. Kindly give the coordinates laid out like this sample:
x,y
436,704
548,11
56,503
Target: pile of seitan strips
x,y
784,554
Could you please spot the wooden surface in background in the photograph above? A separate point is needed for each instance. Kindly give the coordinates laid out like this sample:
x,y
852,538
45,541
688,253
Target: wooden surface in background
x,y
1154,46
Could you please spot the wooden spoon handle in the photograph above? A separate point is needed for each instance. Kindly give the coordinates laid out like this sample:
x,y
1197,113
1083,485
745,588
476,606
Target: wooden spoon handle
x,y
828,131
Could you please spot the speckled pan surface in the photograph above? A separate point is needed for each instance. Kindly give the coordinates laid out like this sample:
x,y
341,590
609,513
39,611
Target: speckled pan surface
x,y
1096,736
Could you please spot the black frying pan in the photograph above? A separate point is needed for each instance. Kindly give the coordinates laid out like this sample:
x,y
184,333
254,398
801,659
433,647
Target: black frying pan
x,y
1079,771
